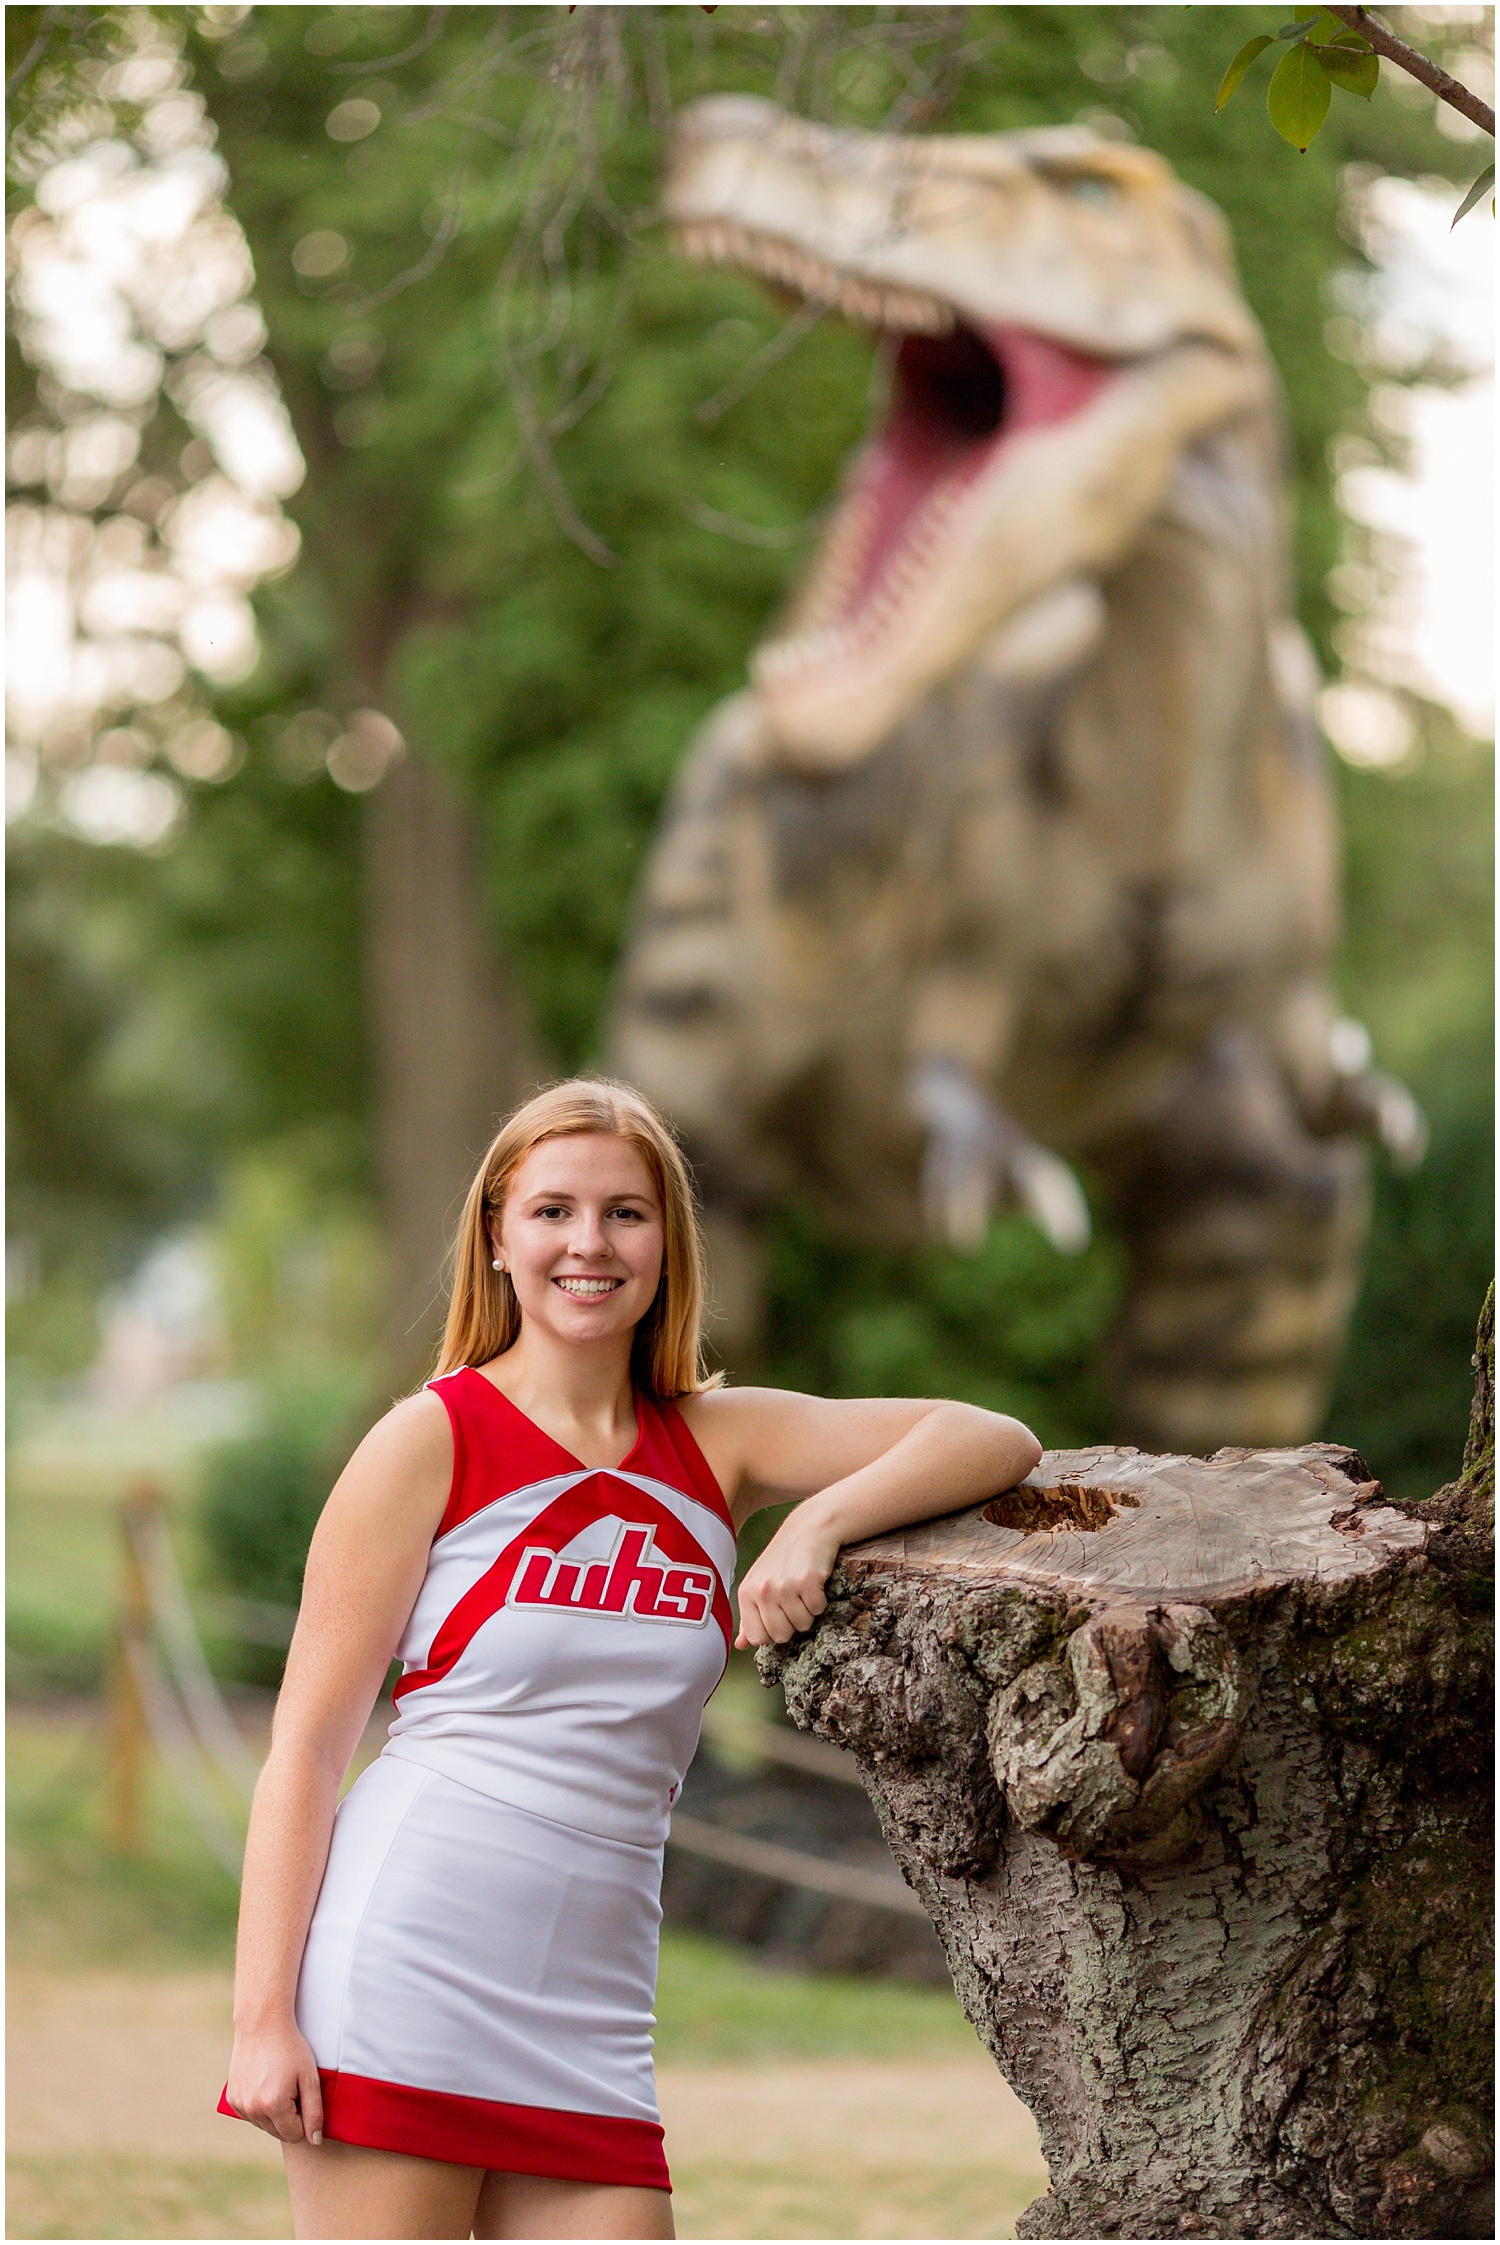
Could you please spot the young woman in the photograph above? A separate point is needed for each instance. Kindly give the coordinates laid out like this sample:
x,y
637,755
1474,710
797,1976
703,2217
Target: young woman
x,y
443,1994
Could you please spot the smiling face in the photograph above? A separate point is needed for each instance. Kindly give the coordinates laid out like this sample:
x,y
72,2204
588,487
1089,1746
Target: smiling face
x,y
582,1236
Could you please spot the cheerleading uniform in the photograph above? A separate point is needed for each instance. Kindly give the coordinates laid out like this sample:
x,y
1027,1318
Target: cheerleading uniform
x,y
480,1969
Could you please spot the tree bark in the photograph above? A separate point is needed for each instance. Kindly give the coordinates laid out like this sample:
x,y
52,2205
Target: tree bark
x,y
1189,1761
451,1051
1419,66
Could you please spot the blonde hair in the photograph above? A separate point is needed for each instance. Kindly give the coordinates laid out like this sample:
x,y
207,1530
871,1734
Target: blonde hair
x,y
484,1316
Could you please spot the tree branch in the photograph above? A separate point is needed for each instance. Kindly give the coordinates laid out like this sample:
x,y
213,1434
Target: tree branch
x,y
33,53
1418,66
419,46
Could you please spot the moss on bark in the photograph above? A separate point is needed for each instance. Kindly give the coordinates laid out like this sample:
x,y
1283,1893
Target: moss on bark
x,y
1269,2018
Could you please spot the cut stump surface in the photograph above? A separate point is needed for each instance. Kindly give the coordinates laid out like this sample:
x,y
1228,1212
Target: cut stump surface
x,y
1122,1524
1187,1759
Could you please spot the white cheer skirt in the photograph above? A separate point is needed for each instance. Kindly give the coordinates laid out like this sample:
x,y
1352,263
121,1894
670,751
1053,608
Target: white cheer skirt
x,y
478,1984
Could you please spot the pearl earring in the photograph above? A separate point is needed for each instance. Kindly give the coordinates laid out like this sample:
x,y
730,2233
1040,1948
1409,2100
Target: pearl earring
x,y
497,1265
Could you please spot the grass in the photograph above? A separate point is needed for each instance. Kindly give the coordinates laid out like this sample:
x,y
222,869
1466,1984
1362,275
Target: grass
x,y
717,2006
75,1905
67,1470
769,2045
825,2198
77,1909
106,2194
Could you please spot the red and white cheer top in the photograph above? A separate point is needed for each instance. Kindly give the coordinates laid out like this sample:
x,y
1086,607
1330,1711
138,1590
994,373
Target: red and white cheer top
x,y
573,1621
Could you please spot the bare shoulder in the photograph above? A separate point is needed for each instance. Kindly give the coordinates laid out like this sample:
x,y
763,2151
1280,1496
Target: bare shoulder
x,y
729,1426
757,1411
401,1469
414,1431
768,1445
735,1407
733,1417
365,1566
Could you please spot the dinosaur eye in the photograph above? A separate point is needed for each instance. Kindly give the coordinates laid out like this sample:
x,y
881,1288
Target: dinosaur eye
x,y
1089,188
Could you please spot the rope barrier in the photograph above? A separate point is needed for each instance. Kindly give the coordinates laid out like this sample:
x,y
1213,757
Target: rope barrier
x,y
173,1738
193,1731
202,1701
768,1742
250,1621
790,1867
180,1712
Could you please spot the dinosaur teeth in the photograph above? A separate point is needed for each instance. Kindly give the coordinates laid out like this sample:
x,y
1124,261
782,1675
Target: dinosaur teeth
x,y
817,641
867,303
808,651
839,570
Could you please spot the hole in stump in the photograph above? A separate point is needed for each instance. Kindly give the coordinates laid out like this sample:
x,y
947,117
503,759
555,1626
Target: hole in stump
x,y
1063,1504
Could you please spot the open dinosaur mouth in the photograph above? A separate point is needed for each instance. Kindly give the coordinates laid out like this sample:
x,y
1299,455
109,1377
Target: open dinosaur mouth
x,y
962,394
959,400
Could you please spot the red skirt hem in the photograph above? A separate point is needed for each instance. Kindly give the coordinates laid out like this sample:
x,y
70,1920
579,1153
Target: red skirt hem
x,y
574,2147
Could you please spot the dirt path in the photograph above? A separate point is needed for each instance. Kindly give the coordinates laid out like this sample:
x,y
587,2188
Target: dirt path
x,y
112,2131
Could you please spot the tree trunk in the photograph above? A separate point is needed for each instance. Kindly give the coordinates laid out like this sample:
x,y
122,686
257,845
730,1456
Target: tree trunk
x,y
1188,1760
450,1047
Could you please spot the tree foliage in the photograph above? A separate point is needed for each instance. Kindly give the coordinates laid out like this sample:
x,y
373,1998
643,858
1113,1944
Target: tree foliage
x,y
1342,48
559,482
1417,966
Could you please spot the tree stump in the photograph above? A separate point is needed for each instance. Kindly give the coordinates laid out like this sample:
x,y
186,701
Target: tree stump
x,y
1188,1760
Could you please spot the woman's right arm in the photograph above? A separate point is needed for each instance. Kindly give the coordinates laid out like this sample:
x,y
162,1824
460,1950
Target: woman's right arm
x,y
364,1569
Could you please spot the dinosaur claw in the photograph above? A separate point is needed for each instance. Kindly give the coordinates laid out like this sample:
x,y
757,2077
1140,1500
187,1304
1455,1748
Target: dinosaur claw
x,y
1052,1197
1370,1100
1399,1122
959,1210
976,1157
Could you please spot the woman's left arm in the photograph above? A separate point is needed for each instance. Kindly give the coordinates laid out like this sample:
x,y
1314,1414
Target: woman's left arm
x,y
859,1467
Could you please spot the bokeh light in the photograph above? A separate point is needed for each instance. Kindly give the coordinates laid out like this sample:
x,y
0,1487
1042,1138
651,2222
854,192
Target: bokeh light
x,y
132,296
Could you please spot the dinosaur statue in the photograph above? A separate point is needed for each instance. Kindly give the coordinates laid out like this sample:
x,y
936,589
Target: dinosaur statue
x,y
1018,850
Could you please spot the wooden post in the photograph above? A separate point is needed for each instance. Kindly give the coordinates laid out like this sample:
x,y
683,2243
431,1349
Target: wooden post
x,y
129,1735
1188,1760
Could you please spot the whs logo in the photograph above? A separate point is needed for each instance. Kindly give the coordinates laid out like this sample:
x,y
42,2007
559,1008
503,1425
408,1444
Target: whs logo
x,y
633,1583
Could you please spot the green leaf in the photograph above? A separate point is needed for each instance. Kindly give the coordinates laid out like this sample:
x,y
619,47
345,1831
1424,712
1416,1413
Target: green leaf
x,y
1233,76
1298,96
1298,30
1357,73
1483,185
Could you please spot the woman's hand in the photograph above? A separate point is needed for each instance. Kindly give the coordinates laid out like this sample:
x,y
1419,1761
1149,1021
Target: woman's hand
x,y
783,1591
273,2082
365,1567
863,1467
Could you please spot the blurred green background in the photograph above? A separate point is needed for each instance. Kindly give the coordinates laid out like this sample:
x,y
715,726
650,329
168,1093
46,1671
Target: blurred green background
x,y
193,1091
190,1051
